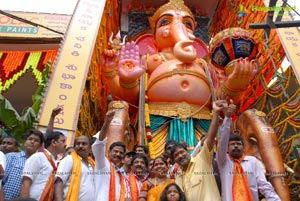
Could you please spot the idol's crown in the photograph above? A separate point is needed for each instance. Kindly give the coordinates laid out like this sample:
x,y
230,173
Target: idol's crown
x,y
171,5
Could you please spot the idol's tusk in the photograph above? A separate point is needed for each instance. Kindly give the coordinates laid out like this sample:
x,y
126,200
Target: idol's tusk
x,y
110,38
124,39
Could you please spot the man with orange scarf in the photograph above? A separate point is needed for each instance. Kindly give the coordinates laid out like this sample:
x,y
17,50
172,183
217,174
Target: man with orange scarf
x,y
109,182
241,176
39,170
137,176
74,176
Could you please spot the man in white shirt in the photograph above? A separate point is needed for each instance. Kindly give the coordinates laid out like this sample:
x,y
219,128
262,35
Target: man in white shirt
x,y
15,162
2,164
74,176
109,181
241,175
39,168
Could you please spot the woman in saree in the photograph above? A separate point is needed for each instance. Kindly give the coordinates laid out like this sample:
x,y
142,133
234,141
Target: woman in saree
x,y
152,188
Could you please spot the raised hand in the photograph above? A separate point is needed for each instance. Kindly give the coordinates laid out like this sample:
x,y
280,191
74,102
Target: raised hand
x,y
243,73
219,106
230,110
109,116
130,67
56,111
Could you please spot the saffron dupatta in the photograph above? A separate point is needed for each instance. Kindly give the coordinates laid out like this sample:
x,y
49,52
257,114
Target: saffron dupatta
x,y
133,187
240,186
74,187
48,192
112,184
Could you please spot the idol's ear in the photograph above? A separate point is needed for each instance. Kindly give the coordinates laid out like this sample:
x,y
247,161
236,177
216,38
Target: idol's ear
x,y
201,48
146,44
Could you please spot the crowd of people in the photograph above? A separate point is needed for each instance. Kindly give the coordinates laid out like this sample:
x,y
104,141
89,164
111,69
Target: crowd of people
x,y
85,172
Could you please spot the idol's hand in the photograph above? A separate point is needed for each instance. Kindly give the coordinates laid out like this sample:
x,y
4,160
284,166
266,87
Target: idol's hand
x,y
130,67
243,73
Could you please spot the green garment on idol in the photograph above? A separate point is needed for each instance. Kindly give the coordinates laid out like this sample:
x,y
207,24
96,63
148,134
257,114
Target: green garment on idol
x,y
178,130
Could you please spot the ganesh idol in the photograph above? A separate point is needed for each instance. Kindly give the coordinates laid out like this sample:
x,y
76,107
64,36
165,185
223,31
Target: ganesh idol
x,y
179,85
172,78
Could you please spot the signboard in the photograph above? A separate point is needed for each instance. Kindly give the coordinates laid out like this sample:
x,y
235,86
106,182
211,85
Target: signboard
x,y
290,40
69,76
10,27
289,37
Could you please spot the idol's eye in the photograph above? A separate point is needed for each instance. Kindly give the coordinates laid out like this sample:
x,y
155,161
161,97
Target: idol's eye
x,y
188,24
164,22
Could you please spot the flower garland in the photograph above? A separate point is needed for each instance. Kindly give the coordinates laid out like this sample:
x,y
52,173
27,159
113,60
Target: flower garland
x,y
16,63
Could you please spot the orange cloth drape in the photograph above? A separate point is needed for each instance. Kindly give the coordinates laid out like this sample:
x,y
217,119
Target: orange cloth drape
x,y
240,186
48,193
74,188
112,185
133,187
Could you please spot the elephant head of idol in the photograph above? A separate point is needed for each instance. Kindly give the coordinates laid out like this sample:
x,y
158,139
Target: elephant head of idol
x,y
173,25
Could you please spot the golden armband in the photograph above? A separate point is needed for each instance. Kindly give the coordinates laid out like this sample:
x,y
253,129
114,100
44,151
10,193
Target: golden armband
x,y
228,91
129,85
276,174
111,73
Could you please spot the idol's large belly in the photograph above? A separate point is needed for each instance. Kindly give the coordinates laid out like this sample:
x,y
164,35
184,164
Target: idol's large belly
x,y
175,82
